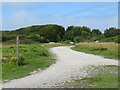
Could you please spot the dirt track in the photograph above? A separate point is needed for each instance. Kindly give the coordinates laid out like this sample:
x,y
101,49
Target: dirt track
x,y
70,64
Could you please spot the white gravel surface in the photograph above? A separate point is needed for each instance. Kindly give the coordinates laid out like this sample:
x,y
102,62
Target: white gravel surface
x,y
70,64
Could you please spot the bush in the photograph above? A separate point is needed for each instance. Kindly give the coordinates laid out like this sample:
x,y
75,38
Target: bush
x,y
45,53
99,49
79,39
47,40
66,42
8,37
111,39
21,60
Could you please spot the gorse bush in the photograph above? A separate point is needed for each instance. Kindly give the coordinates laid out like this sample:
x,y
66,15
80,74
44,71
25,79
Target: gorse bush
x,y
8,37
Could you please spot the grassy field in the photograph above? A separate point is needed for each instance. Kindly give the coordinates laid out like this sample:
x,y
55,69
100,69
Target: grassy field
x,y
108,50
35,56
99,77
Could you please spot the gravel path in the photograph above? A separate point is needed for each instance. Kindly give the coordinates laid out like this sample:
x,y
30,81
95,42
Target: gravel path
x,y
70,64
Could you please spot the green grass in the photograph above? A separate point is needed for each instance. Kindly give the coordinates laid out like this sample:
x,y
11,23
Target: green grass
x,y
99,77
0,71
36,56
56,45
97,49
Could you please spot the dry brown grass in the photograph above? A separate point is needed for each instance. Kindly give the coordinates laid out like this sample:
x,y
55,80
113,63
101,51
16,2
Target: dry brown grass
x,y
109,45
7,45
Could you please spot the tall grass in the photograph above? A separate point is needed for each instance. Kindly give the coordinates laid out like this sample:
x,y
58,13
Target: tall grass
x,y
108,50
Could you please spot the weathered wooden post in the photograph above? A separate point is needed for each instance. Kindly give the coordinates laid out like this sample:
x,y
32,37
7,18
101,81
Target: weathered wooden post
x,y
17,49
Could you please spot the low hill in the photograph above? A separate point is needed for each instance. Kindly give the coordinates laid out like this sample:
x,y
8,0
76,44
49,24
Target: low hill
x,y
42,33
57,33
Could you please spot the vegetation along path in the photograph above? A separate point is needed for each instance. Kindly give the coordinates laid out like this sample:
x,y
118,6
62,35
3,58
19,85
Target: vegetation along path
x,y
70,64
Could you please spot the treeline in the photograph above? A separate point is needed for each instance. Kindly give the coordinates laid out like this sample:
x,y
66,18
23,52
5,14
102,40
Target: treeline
x,y
56,33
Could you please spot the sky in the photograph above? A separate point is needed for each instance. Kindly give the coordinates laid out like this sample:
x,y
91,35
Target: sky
x,y
60,0
96,15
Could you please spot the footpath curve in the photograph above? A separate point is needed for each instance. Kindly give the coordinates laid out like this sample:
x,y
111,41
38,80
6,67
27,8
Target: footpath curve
x,y
69,64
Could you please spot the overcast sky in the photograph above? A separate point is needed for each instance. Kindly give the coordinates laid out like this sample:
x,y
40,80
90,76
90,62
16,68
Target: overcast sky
x,y
101,15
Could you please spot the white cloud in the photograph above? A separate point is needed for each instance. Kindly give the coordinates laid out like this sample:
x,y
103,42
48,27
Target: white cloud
x,y
22,19
90,22
19,19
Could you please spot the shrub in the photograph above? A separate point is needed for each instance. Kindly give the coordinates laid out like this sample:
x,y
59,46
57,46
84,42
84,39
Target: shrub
x,y
44,53
79,39
99,49
8,37
66,42
111,39
47,40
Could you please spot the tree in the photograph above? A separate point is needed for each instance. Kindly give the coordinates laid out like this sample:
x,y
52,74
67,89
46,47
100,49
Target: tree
x,y
78,39
71,33
54,33
111,32
69,28
96,31
77,31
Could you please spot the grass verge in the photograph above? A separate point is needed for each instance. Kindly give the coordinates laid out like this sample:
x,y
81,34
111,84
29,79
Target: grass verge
x,y
36,56
99,77
108,50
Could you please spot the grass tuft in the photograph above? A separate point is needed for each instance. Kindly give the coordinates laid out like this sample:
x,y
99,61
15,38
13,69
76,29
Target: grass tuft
x,y
98,77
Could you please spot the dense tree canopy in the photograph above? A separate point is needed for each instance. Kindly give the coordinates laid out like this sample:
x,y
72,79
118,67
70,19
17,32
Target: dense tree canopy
x,y
111,32
77,31
42,33
96,31
57,33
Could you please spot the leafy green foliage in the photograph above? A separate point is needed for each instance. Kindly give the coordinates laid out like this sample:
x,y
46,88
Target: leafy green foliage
x,y
111,39
111,32
78,39
8,37
76,31
21,60
66,42
98,77
56,33
96,31
39,33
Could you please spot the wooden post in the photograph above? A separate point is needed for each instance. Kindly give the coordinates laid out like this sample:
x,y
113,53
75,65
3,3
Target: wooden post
x,y
17,49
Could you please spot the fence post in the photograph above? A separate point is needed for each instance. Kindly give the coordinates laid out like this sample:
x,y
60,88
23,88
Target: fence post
x,y
17,49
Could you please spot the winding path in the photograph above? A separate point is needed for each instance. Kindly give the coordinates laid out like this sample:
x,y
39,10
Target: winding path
x,y
69,64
